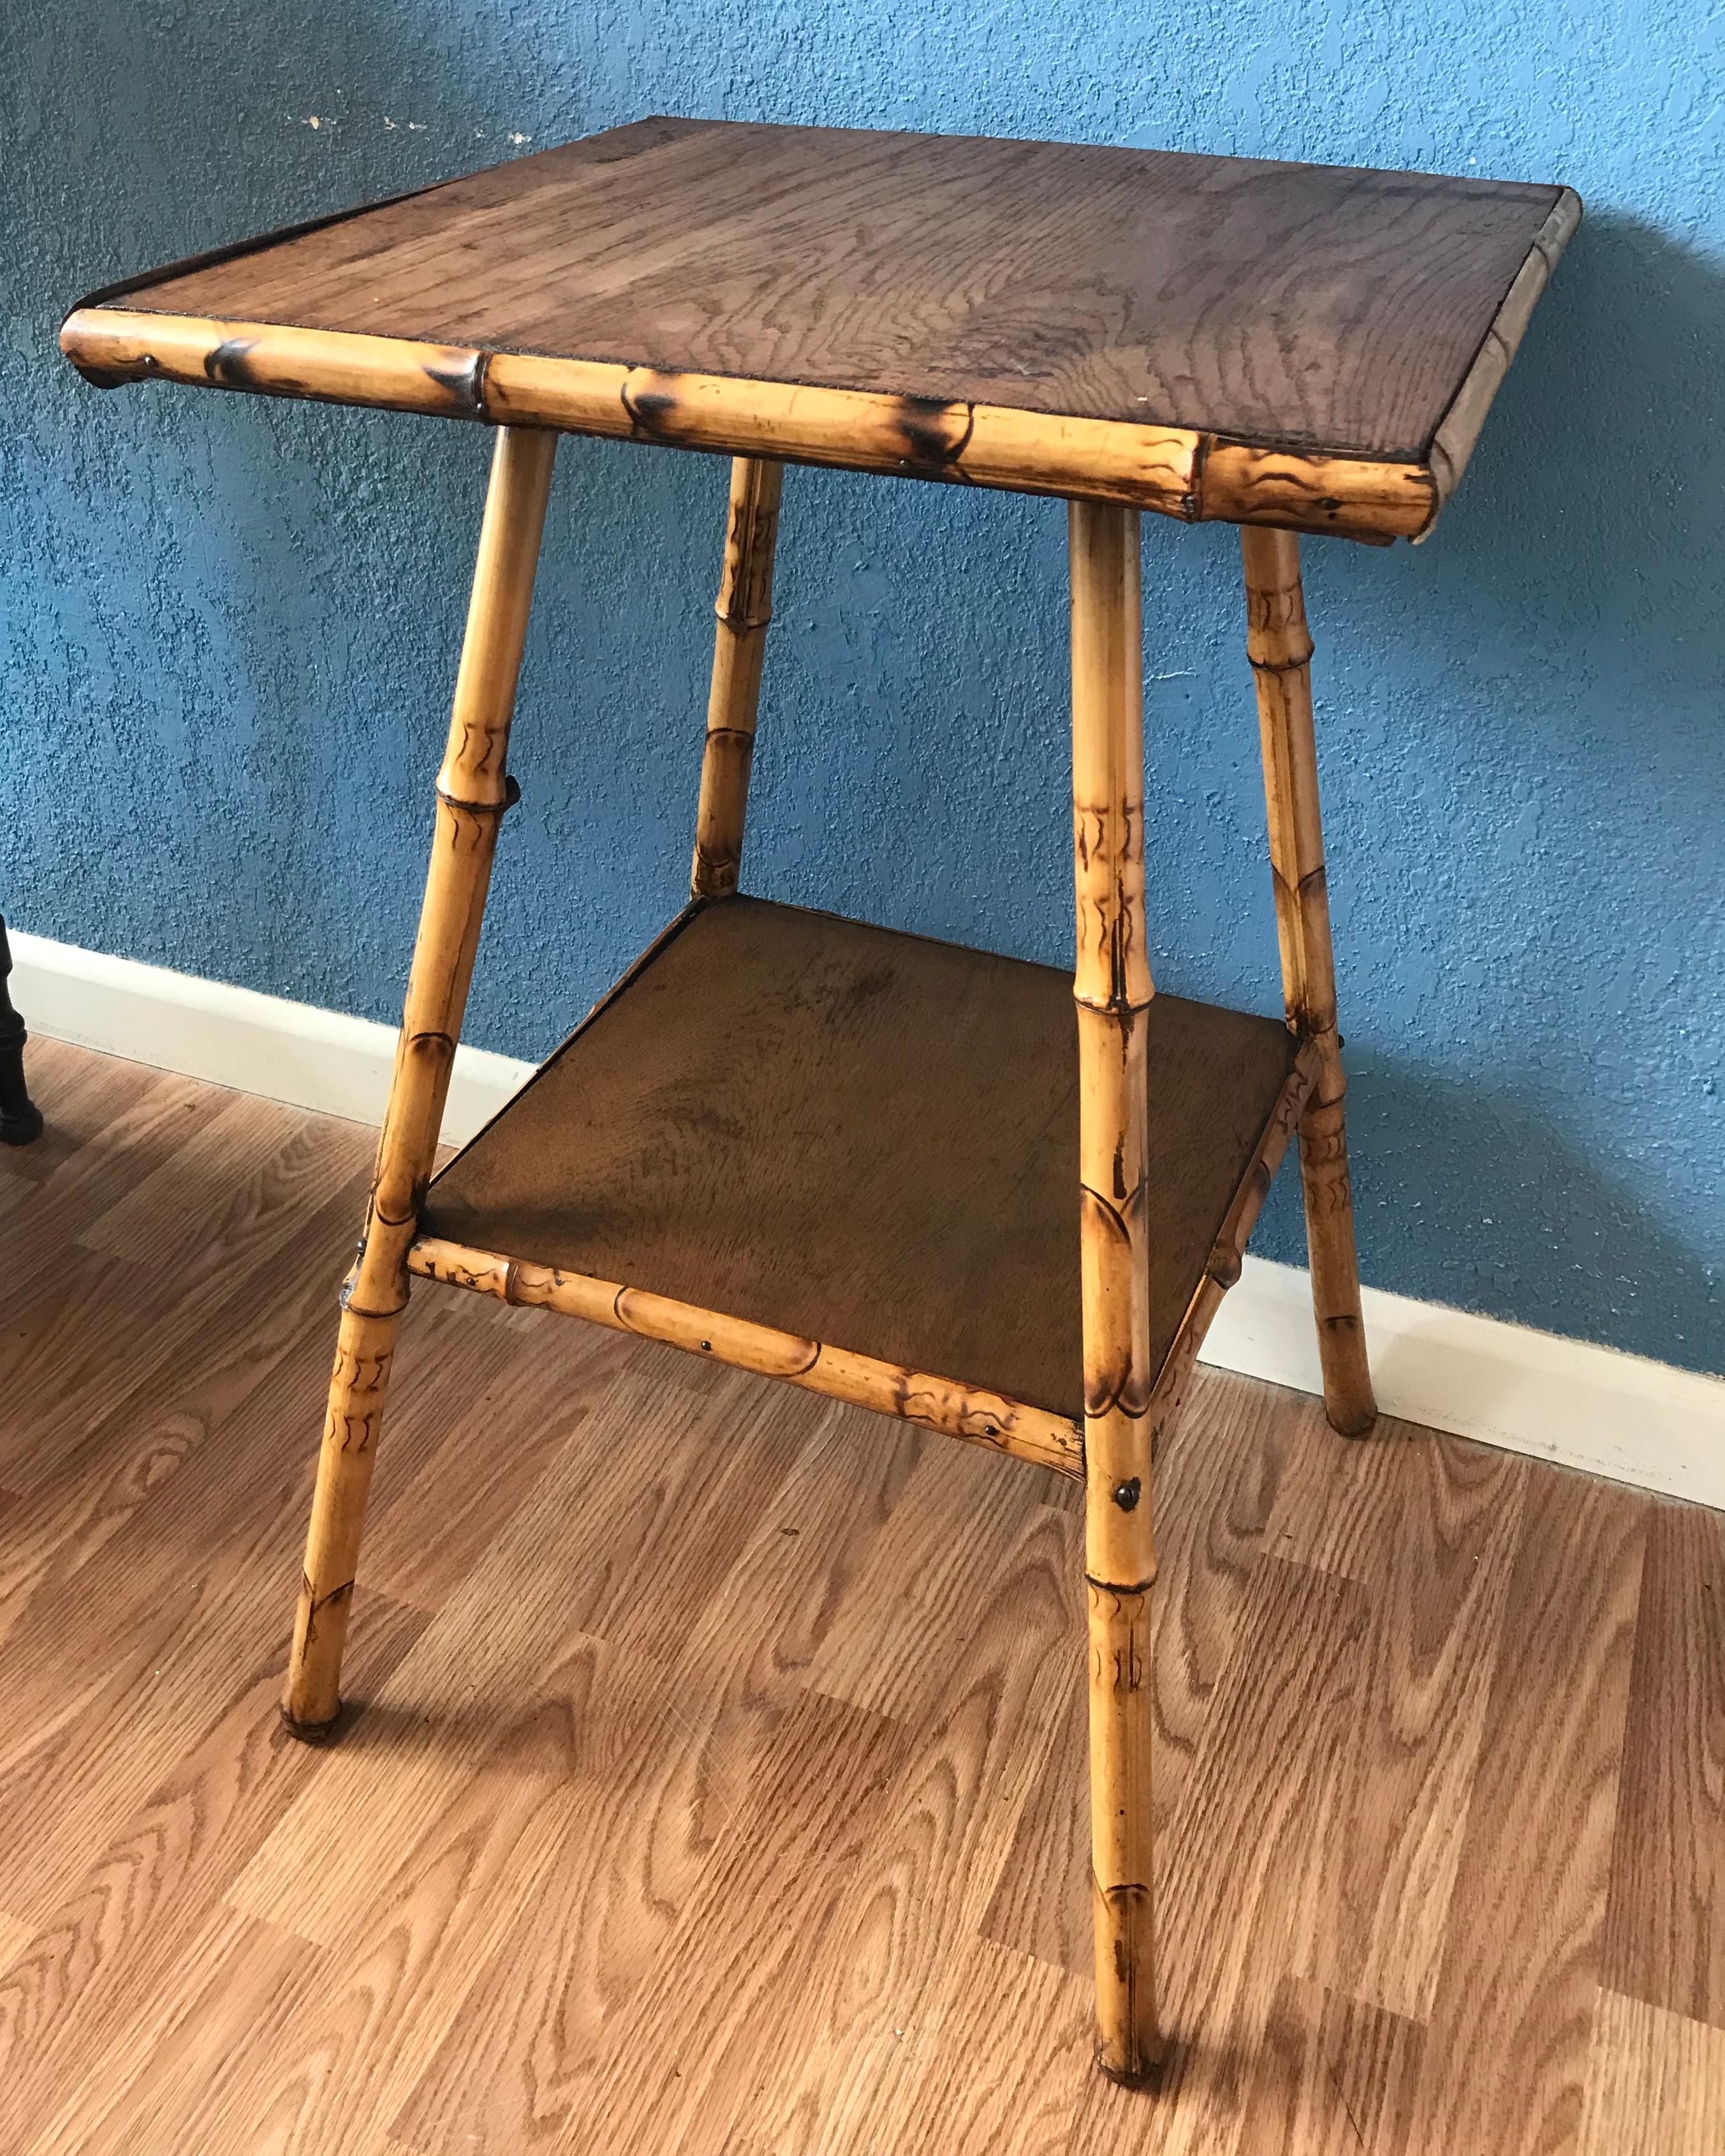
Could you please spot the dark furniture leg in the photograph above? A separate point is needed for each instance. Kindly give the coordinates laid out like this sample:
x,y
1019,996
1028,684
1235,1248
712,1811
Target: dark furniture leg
x,y
20,1119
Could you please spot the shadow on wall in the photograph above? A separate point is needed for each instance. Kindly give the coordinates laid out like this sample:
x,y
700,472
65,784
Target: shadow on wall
x,y
1533,1227
207,653
1599,473
1525,773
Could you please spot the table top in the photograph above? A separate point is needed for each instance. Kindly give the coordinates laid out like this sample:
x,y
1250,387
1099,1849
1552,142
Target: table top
x,y
1029,314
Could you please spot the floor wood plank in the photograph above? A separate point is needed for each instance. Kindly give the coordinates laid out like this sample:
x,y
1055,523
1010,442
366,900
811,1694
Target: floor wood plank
x,y
1333,2077
338,2051
154,2090
671,1767
429,1530
918,1893
716,1778
930,1576
630,1529
1033,2023
86,1487
1410,1757
714,2017
1505,2060
1656,2082
1665,1931
113,1125
15,1937
156,1329
239,1177
1337,1504
91,1986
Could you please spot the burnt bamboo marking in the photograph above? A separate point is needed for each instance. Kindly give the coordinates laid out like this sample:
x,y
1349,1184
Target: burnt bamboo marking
x,y
1112,988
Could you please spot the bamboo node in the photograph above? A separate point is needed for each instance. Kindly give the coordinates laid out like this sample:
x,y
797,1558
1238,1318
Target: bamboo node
x,y
511,794
316,1602
918,420
462,373
1113,1006
226,364
345,1301
1121,1587
742,619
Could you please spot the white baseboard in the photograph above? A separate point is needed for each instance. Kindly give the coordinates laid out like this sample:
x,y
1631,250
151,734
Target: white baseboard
x,y
1621,1416
1634,1421
256,1044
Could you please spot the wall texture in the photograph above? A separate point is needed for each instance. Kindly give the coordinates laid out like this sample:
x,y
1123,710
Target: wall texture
x,y
230,627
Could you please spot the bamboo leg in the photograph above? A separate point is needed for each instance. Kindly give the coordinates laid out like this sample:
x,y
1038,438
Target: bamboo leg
x,y
473,789
1112,988
744,609
1280,646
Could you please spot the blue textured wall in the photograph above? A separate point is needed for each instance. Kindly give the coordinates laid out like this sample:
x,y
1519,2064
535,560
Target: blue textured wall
x,y
230,625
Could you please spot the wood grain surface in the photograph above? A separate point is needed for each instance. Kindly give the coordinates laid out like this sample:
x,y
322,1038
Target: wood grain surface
x,y
862,1138
1309,306
717,1786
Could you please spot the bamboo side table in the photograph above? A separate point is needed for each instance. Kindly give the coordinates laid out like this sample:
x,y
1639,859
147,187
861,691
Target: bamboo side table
x,y
1027,1246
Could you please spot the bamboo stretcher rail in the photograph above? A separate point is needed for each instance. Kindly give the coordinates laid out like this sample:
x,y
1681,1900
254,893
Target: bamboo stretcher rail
x,y
1279,645
1175,471
744,607
1227,1258
942,1403
474,788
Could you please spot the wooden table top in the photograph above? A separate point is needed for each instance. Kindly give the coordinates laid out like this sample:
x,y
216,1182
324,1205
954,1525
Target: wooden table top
x,y
1207,335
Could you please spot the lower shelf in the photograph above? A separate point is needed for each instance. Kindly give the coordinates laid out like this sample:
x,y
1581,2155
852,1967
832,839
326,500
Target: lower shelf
x,y
853,1141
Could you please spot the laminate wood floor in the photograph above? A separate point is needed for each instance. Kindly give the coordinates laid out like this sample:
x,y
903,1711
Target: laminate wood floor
x,y
717,1782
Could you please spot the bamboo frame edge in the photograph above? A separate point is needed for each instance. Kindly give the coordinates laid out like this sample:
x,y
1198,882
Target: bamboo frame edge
x,y
1457,433
1194,475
